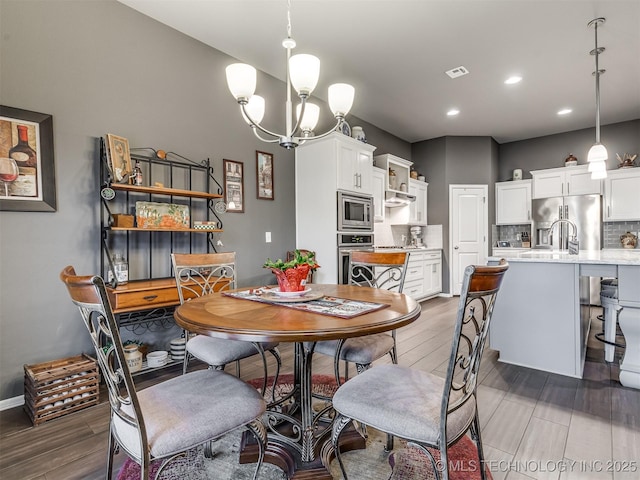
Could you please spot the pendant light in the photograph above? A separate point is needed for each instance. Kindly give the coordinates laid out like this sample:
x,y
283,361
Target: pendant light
x,y
597,156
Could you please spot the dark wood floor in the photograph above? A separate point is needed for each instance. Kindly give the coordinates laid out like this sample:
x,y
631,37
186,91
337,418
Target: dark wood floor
x,y
534,424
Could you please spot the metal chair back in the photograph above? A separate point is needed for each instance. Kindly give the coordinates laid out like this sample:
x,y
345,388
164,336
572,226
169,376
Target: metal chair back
x,y
386,270
89,294
477,299
199,274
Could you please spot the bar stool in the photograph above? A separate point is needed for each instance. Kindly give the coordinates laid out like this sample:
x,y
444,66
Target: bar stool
x,y
611,310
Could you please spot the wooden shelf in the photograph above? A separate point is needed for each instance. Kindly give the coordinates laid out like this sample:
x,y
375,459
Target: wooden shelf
x,y
163,191
187,230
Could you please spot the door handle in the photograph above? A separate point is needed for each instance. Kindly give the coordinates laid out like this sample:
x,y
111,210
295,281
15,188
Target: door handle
x,y
456,247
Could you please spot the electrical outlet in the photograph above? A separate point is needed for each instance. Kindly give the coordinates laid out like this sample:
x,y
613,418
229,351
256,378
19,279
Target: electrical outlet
x,y
267,237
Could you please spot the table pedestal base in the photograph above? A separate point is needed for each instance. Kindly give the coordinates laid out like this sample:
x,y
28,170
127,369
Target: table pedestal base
x,y
288,459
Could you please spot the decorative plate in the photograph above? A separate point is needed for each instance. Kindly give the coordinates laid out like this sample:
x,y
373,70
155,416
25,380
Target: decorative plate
x,y
220,207
275,295
107,193
344,128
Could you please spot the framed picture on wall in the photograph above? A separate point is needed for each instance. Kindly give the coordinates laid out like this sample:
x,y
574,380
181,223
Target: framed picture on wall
x,y
264,175
119,158
234,185
27,171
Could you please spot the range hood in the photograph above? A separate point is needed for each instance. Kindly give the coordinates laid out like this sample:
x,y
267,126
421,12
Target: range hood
x,y
397,199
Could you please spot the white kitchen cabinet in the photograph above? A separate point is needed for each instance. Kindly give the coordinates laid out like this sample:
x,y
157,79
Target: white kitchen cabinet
x,y
424,274
563,181
319,172
355,165
418,209
432,273
378,180
622,195
400,166
513,202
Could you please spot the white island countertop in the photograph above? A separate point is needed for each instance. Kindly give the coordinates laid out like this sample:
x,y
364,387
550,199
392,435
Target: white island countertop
x,y
617,256
542,315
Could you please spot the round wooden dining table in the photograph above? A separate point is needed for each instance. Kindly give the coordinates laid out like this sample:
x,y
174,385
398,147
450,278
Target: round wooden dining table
x,y
303,451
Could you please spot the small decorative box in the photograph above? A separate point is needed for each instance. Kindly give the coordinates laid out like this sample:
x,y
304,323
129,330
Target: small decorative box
x,y
201,225
162,215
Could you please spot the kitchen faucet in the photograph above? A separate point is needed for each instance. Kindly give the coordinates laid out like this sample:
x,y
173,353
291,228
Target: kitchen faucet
x,y
573,241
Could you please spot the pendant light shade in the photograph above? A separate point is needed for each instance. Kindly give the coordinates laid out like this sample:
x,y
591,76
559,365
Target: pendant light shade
x,y
597,153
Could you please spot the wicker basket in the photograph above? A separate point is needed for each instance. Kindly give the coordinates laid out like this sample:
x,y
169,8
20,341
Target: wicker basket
x,y
56,388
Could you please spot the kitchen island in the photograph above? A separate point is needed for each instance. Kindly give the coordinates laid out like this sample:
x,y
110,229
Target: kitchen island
x,y
541,318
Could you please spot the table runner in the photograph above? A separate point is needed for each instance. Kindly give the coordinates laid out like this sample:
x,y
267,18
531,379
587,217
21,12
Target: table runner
x,y
327,305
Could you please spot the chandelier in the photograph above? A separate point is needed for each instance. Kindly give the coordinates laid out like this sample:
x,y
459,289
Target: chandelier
x,y
302,74
597,155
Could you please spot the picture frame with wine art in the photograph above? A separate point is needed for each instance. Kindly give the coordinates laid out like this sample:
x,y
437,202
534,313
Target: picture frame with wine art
x,y
27,170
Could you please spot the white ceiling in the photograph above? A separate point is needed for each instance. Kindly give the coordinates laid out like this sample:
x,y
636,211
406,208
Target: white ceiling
x,y
396,52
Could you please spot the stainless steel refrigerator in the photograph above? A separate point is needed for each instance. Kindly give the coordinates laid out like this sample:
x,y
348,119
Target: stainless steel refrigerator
x,y
585,211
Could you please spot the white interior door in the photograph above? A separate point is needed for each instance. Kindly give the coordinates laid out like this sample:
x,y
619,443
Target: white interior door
x,y
468,230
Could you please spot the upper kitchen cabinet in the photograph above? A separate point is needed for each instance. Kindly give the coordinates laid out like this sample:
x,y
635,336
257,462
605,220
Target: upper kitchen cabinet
x,y
396,170
418,209
513,202
354,164
622,195
563,181
378,179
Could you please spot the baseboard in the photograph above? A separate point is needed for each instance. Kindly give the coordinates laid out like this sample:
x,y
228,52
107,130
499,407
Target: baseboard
x,y
8,403
445,295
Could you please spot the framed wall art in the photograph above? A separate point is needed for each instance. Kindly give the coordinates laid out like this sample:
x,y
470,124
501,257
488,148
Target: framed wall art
x,y
264,175
27,170
234,185
119,158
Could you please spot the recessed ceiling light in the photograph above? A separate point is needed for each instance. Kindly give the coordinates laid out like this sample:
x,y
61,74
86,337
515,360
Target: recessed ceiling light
x,y
565,111
512,80
453,112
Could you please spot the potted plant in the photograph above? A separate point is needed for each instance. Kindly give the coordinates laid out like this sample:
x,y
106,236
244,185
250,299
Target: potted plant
x,y
292,275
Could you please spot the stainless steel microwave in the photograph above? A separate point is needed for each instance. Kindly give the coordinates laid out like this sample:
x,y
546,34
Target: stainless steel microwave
x,y
355,212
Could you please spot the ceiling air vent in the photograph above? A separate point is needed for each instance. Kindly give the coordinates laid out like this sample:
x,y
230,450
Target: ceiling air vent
x,y
457,72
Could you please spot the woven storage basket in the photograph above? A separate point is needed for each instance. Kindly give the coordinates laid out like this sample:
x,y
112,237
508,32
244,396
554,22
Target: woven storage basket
x,y
56,388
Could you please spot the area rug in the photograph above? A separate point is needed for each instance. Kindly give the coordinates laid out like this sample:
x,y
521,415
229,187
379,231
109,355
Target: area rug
x,y
372,463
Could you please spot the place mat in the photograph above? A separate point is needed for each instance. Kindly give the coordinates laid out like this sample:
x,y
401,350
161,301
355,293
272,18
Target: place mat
x,y
326,305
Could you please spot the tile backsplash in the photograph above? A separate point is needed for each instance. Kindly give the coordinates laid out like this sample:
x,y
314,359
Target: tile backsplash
x,y
611,232
509,233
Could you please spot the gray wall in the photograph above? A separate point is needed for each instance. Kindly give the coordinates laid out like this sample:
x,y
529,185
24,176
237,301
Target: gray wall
x,y
449,161
100,67
550,151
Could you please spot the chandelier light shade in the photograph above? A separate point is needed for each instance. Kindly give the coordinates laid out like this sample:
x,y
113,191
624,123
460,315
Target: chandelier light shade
x,y
597,155
303,72
241,79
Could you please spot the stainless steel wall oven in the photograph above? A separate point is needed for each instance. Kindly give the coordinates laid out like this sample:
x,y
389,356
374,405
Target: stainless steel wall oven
x,y
347,242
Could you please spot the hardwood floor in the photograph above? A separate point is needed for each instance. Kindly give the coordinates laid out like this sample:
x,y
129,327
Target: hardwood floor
x,y
534,424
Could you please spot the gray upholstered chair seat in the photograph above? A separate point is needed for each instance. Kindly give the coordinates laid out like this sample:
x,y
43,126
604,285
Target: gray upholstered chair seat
x,y
220,351
187,410
360,350
403,402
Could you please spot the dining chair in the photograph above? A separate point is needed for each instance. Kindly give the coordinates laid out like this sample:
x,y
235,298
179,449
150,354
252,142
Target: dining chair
x,y
424,409
384,270
199,274
167,419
